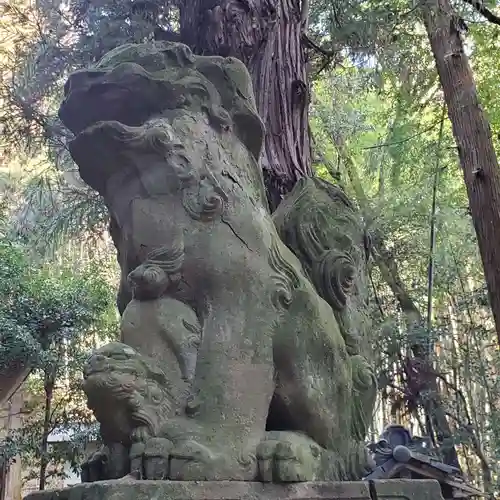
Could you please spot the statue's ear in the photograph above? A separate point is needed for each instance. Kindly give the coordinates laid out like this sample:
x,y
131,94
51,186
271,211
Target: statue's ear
x,y
233,82
249,126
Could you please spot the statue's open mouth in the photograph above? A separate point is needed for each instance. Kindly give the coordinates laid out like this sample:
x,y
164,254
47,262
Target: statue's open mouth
x,y
106,109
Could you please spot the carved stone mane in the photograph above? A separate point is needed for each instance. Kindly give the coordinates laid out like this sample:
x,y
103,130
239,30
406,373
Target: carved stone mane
x,y
322,228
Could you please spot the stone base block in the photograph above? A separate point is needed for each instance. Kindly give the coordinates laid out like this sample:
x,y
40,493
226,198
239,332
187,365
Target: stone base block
x,y
396,489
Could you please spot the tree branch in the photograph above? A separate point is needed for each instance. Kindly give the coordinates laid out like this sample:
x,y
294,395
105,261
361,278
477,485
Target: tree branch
x,y
479,6
405,139
313,45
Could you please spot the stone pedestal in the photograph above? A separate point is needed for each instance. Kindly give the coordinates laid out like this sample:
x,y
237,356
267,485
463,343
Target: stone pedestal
x,y
233,490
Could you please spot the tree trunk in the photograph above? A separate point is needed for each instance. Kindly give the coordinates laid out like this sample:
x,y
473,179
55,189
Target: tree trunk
x,y
473,137
267,36
44,462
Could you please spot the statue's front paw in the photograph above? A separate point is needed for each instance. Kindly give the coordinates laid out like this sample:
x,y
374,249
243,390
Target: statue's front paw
x,y
109,462
189,457
288,457
159,459
150,458
94,468
222,459
198,455
193,461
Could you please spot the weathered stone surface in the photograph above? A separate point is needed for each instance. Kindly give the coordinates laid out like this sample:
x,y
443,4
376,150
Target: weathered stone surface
x,y
245,357
322,228
234,490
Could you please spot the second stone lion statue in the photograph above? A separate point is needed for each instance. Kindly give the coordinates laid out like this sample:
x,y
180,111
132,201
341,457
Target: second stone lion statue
x,y
259,368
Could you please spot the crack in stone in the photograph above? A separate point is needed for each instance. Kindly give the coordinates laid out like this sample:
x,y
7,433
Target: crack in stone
x,y
235,233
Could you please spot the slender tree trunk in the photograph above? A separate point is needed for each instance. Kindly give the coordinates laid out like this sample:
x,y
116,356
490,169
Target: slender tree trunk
x,y
49,391
432,235
267,36
473,137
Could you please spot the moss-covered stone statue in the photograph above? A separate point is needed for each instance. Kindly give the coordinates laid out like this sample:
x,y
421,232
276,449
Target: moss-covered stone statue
x,y
242,354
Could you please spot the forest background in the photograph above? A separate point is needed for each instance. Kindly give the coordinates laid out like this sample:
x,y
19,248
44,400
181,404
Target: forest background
x,y
367,102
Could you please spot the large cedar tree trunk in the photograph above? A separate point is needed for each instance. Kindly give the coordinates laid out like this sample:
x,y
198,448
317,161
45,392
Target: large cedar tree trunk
x,y
473,137
267,36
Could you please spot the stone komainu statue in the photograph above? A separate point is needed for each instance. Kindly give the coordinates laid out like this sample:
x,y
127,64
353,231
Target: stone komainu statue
x,y
243,335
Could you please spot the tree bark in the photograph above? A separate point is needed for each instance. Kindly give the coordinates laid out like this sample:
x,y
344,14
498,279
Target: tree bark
x,y
473,137
267,36
44,462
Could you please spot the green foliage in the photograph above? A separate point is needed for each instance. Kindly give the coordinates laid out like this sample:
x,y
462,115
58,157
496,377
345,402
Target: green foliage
x,y
51,316
40,306
48,40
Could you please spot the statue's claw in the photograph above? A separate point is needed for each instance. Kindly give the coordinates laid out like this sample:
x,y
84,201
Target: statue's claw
x,y
151,458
